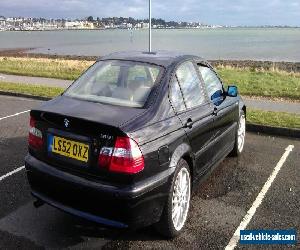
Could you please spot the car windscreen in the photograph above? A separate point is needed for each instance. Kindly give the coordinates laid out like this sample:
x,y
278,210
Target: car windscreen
x,y
124,83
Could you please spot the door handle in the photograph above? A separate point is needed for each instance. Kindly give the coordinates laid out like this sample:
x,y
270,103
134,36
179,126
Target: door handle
x,y
189,123
215,112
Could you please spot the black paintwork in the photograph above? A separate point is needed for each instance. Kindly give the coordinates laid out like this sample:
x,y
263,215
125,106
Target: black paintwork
x,y
163,135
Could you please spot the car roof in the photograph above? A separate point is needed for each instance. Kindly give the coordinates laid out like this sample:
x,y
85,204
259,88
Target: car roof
x,y
162,58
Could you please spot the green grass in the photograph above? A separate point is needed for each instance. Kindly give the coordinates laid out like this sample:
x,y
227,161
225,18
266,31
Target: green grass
x,y
272,83
36,90
52,68
275,119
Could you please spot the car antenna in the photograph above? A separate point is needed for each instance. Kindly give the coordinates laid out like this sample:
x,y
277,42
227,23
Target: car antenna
x,y
150,27
150,30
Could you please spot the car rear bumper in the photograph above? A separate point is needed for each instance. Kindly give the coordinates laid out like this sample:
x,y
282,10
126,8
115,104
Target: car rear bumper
x,y
131,206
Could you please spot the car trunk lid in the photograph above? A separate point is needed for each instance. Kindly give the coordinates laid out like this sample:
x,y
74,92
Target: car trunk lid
x,y
91,111
81,123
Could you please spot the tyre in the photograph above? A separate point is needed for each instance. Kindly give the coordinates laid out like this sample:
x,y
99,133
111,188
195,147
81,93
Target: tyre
x,y
176,210
240,136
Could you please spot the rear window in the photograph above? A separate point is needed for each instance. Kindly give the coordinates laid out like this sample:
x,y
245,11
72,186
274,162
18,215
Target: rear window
x,y
123,83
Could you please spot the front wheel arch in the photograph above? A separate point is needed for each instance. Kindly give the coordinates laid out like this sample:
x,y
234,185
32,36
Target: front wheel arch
x,y
236,151
245,110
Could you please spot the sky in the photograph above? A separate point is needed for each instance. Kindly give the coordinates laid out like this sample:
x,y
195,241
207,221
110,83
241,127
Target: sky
x,y
223,12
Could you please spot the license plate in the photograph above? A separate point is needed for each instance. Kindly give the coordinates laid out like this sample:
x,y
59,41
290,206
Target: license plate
x,y
68,148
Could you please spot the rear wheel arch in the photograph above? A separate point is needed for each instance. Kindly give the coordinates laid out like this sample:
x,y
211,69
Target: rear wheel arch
x,y
183,151
189,160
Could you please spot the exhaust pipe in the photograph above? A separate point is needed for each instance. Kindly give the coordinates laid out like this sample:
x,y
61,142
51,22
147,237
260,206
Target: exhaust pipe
x,y
38,203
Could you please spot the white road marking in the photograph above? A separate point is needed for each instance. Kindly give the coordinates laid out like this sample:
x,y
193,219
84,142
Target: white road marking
x,y
11,173
236,236
9,116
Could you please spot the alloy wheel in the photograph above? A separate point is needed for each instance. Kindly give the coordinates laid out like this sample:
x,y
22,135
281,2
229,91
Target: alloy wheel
x,y
181,198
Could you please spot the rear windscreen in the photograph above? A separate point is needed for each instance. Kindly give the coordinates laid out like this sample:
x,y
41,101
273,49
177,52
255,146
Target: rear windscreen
x,y
124,83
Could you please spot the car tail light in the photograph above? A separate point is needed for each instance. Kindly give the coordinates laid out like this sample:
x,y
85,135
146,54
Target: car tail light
x,y
125,157
35,138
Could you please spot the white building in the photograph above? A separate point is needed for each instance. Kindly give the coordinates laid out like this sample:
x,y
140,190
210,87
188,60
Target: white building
x,y
79,25
138,25
2,21
145,25
73,25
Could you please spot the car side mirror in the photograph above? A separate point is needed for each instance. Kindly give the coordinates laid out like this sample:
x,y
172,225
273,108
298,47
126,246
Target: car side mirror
x,y
232,91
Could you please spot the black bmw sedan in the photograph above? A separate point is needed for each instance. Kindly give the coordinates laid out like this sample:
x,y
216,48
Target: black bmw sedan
x,y
128,141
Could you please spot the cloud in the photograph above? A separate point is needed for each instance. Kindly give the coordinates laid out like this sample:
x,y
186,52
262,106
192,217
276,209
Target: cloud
x,y
234,12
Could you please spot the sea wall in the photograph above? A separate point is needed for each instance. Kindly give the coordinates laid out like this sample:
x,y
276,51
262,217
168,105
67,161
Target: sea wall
x,y
267,65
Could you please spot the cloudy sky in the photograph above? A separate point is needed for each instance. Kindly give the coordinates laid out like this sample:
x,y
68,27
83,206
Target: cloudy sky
x,y
226,12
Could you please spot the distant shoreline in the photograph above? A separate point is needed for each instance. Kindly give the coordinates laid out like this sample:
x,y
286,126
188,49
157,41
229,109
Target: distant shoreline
x,y
145,29
255,64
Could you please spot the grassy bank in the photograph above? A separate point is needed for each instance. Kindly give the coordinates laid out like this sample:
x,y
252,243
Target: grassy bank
x,y
266,83
28,89
277,119
272,83
52,68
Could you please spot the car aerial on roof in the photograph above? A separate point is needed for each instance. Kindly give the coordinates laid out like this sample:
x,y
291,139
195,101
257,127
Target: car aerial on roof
x,y
128,141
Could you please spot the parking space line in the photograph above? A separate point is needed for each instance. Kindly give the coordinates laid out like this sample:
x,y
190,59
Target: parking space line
x,y
9,116
12,173
236,236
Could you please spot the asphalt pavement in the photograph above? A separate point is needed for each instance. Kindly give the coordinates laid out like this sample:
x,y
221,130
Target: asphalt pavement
x,y
276,106
262,104
217,208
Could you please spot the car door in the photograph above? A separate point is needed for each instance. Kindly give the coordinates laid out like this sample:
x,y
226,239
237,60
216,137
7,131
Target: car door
x,y
225,111
194,111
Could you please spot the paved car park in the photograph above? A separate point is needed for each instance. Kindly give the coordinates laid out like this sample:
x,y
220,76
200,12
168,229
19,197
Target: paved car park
x,y
218,206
